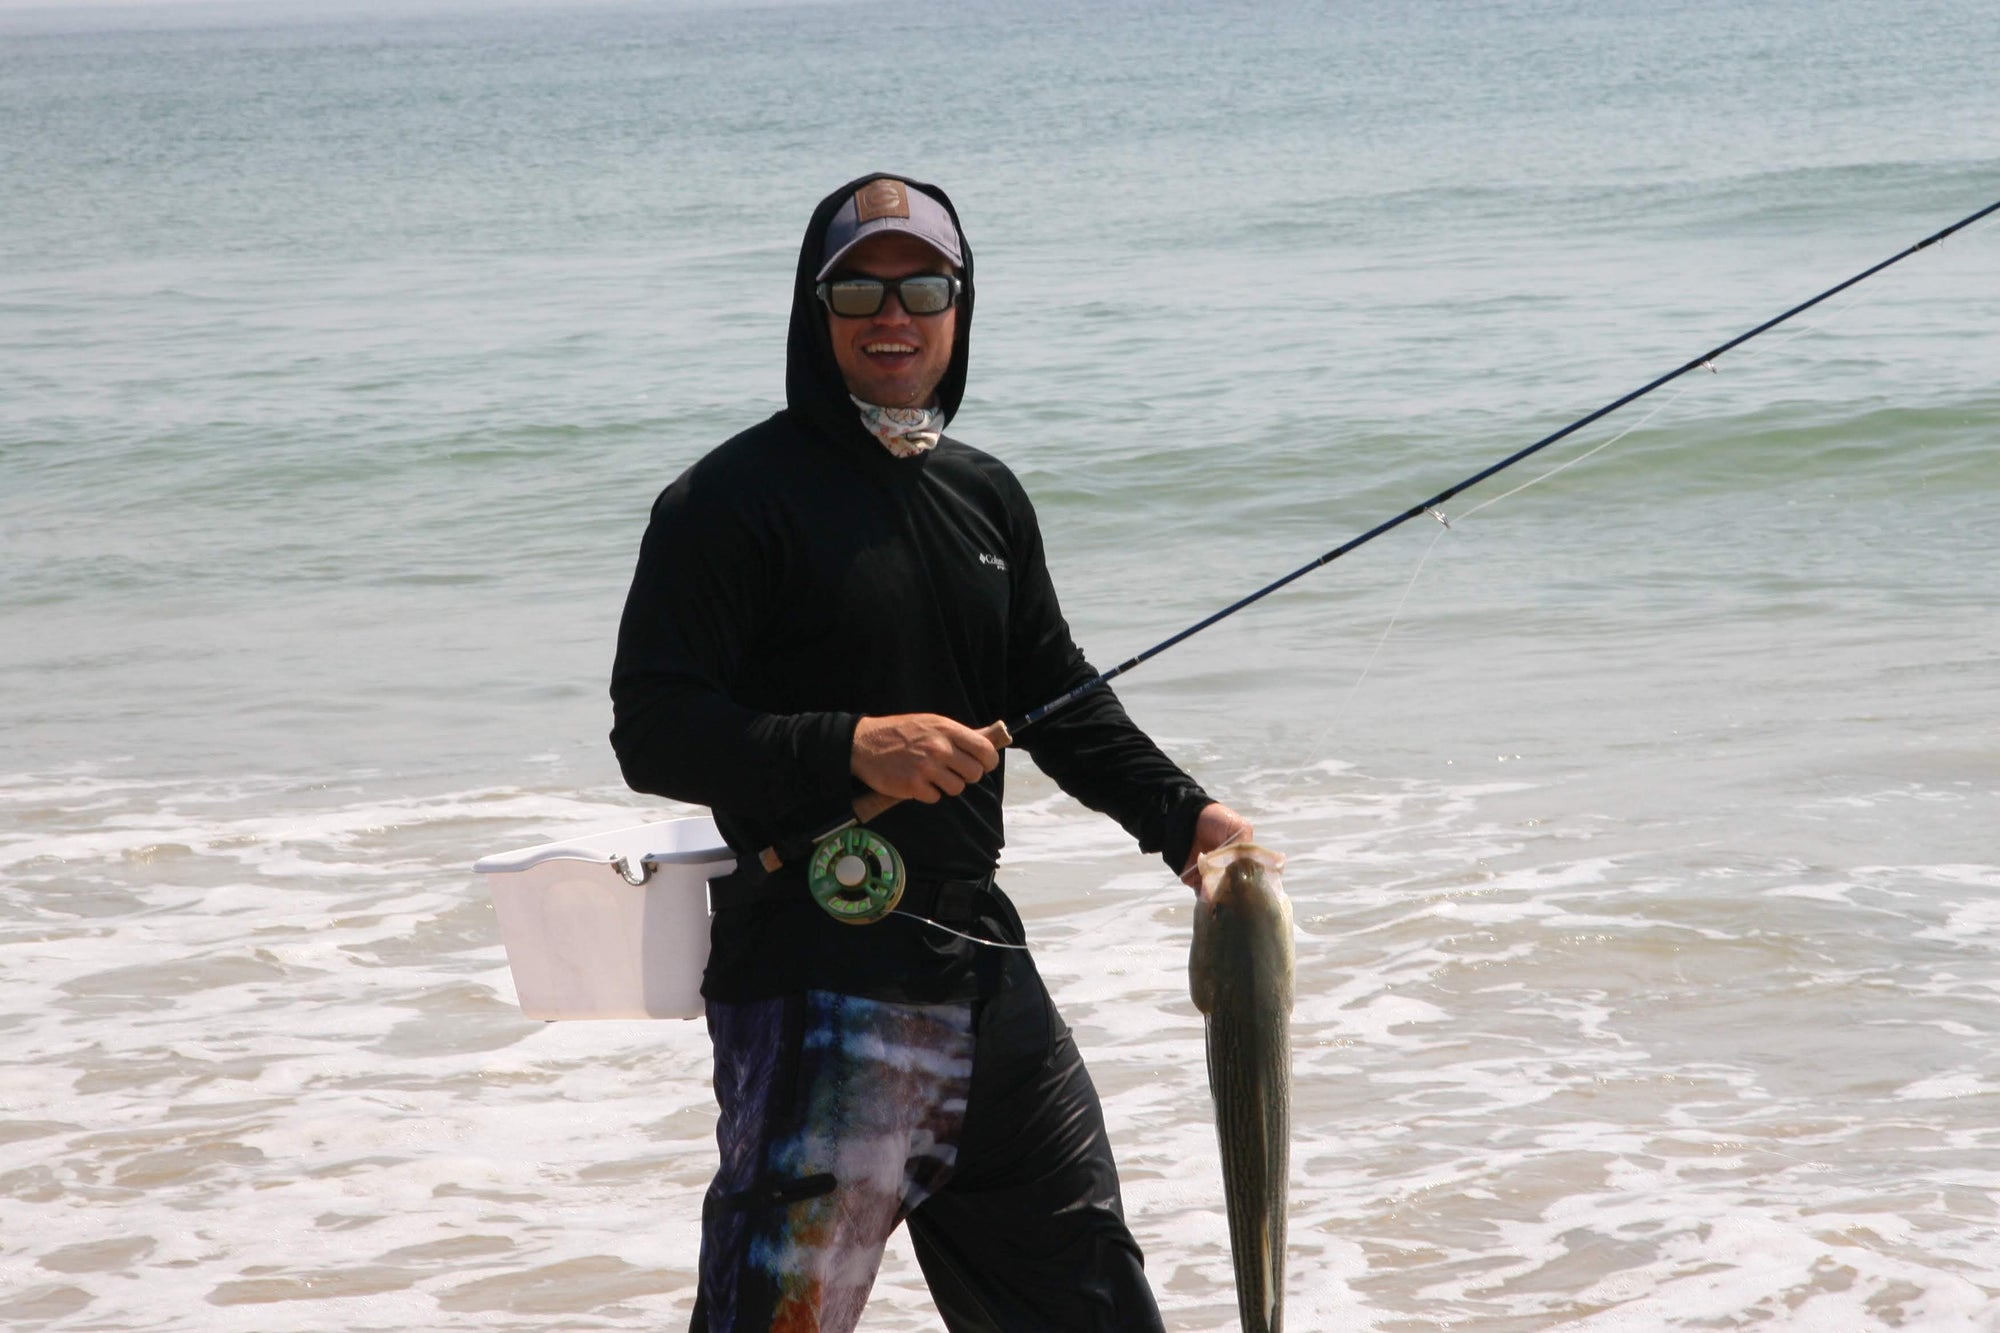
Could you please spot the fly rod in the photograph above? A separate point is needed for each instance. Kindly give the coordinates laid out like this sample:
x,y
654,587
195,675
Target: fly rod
x,y
1001,734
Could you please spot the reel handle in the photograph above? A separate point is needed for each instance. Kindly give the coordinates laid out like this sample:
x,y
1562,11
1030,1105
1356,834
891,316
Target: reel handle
x,y
872,803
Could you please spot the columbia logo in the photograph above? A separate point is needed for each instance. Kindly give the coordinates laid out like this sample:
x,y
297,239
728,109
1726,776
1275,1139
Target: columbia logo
x,y
992,560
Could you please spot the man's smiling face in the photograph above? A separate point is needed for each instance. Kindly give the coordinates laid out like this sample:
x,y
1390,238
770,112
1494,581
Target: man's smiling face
x,y
893,358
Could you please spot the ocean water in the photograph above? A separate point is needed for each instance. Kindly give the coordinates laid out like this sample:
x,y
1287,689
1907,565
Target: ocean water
x,y
1641,824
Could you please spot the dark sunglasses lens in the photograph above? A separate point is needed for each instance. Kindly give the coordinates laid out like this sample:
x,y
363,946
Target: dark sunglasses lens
x,y
855,297
925,295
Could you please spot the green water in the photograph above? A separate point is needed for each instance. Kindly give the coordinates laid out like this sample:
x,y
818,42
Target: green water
x,y
1641,822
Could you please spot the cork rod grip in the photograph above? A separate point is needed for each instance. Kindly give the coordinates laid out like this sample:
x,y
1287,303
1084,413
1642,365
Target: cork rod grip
x,y
870,804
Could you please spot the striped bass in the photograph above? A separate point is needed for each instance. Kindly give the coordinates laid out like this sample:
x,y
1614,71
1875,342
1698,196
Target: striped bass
x,y
1240,973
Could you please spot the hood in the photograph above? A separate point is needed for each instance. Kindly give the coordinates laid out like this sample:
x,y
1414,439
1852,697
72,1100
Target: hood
x,y
813,386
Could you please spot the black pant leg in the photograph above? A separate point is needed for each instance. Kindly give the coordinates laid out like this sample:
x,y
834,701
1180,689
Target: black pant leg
x,y
1029,1234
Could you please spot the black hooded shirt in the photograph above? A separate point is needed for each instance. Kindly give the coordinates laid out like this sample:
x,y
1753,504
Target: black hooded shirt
x,y
800,577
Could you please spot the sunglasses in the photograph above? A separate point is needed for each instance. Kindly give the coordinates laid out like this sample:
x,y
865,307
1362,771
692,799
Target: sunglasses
x,y
921,294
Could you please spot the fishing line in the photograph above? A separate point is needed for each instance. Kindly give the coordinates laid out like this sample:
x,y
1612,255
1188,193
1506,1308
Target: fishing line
x,y
1445,522
1082,932
1585,456
1834,315
976,939
1395,616
1763,349
1387,630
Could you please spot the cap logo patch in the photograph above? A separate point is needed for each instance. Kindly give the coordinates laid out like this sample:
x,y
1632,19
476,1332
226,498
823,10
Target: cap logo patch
x,y
881,199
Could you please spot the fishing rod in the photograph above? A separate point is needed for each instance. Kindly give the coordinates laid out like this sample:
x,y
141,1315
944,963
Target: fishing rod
x,y
858,877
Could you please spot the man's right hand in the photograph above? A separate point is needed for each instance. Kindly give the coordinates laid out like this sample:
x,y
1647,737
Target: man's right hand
x,y
920,756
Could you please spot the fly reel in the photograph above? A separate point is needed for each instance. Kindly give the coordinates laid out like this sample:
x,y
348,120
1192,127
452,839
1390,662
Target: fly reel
x,y
856,875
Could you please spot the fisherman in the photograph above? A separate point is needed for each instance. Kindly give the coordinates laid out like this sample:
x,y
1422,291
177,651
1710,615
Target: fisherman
x,y
831,602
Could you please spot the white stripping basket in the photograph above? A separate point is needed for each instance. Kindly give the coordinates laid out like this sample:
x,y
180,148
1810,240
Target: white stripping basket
x,y
614,925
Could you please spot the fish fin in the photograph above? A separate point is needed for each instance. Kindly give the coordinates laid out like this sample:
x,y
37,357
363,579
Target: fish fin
x,y
1201,971
1272,1263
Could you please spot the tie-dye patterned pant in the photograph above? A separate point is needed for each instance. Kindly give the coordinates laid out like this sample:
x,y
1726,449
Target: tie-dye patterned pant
x,y
975,1122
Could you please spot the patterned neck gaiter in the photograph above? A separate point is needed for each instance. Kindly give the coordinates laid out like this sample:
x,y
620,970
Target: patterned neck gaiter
x,y
904,431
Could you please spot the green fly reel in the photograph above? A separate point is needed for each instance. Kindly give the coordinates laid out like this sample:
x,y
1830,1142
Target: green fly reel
x,y
855,875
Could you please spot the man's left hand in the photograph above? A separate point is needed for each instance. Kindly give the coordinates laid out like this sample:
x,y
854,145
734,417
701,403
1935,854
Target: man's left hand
x,y
1215,827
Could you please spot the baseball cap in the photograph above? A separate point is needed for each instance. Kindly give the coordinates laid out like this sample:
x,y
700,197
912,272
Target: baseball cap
x,y
887,204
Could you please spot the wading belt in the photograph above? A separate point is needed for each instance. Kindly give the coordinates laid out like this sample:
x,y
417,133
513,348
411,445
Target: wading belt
x,y
952,901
